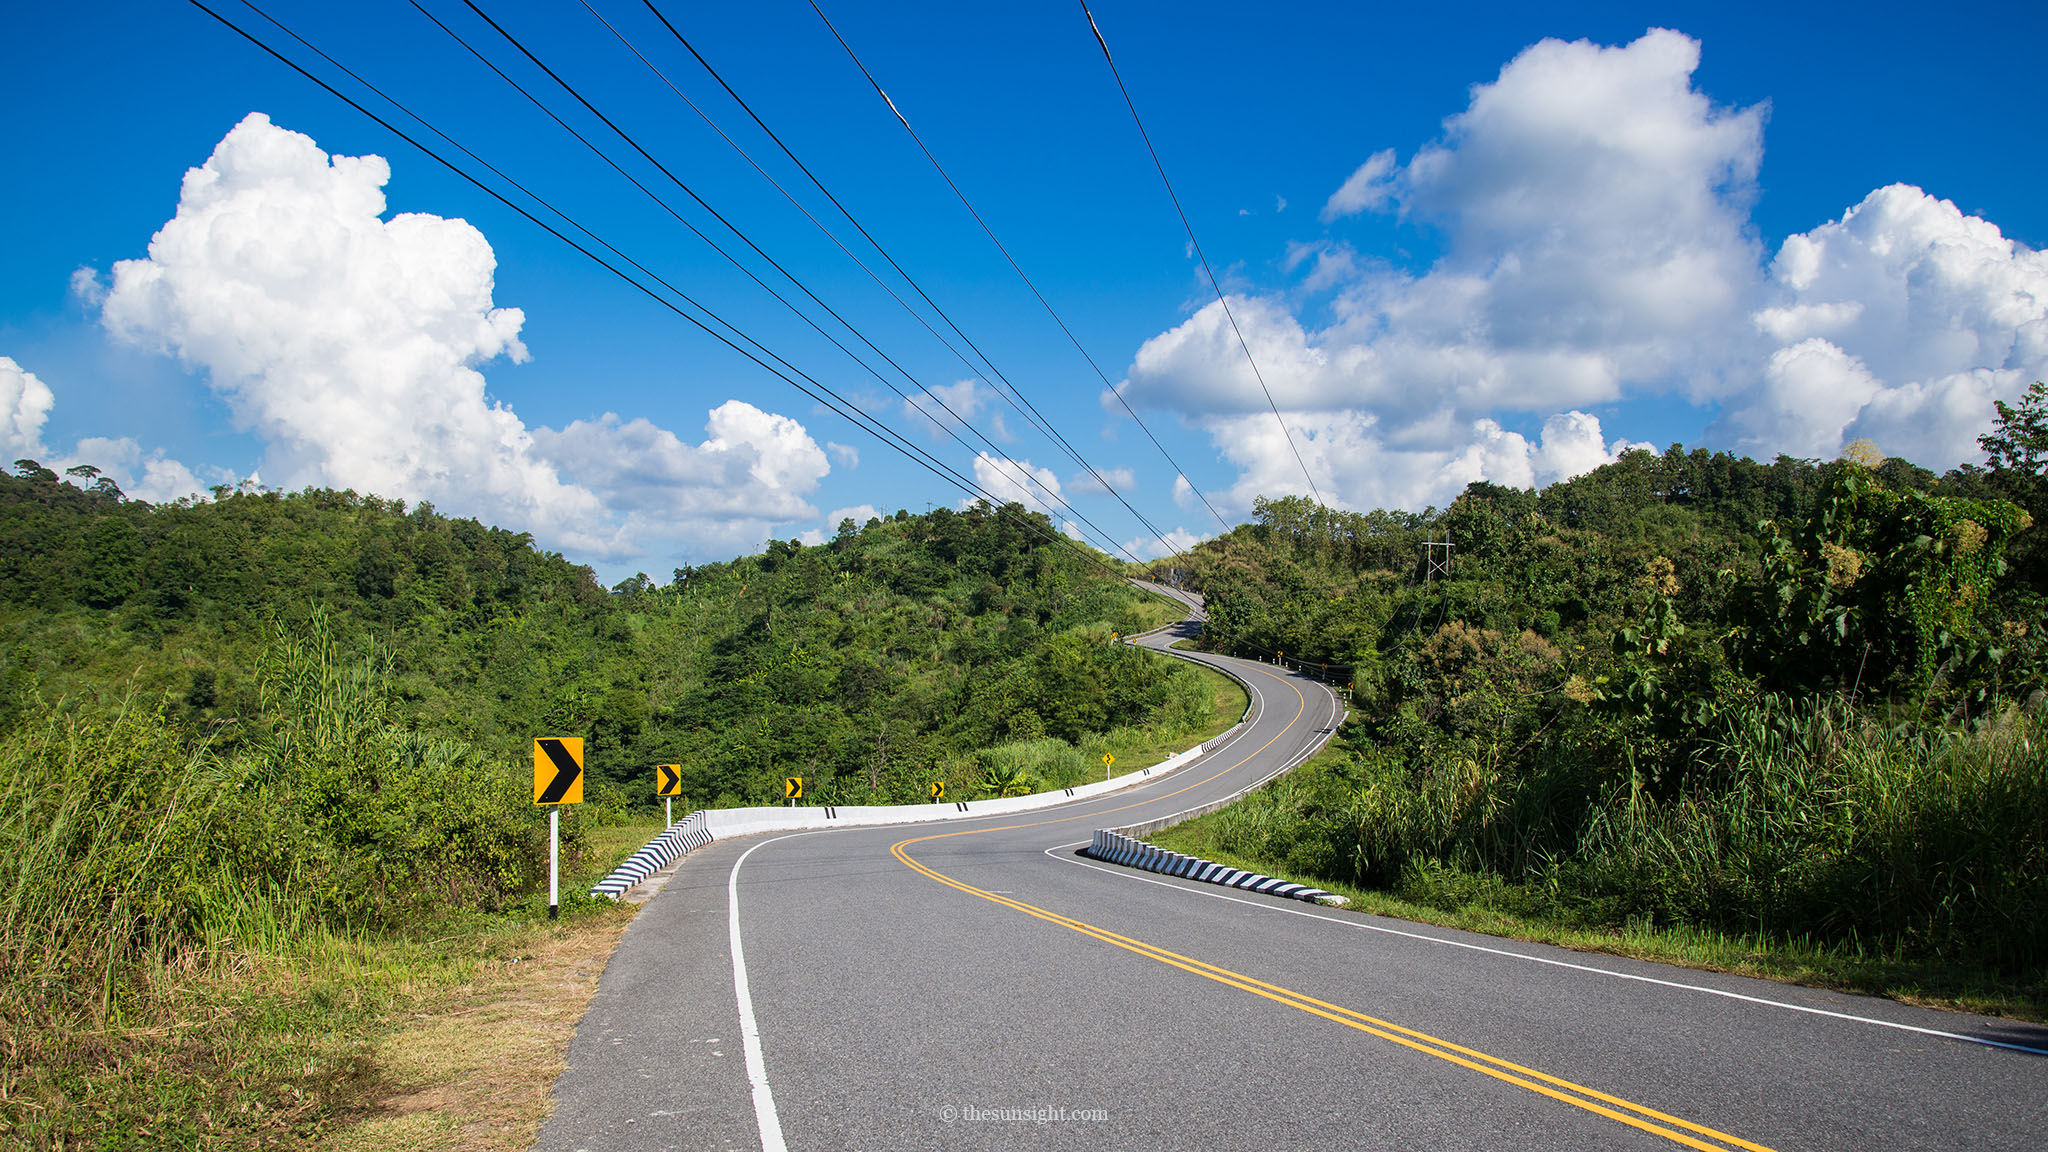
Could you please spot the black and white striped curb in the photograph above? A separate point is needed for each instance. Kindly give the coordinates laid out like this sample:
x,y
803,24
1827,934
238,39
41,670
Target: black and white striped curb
x,y
689,832
1132,852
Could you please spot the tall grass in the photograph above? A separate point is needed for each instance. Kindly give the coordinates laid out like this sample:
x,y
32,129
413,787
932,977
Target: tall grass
x,y
100,824
1932,842
1807,819
160,899
122,844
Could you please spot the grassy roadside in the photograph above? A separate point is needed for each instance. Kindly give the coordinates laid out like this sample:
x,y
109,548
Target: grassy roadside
x,y
470,1061
1485,904
1158,611
1227,704
314,1039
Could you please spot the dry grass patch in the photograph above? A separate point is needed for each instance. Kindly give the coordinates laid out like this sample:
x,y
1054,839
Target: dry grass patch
x,y
474,1067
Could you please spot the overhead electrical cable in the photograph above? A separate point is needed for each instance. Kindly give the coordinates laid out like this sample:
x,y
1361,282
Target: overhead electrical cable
x,y
1285,433
793,376
1014,266
1001,458
1014,394
926,390
991,370
741,151
854,414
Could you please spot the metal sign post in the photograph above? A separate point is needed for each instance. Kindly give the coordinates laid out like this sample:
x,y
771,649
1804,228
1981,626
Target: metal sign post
x,y
668,784
557,780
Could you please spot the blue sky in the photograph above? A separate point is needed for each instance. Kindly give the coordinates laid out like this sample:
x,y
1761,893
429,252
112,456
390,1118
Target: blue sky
x,y
1464,242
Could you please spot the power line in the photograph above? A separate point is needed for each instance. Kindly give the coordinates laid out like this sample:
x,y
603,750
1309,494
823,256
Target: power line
x,y
798,205
1050,310
1015,466
852,413
1029,411
1003,458
1197,244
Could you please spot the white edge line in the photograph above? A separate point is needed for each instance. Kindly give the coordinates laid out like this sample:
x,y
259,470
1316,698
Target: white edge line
x,y
765,1116
1790,1007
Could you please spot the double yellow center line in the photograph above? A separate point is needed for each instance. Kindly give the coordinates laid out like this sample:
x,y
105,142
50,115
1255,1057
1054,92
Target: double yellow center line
x,y
1593,1100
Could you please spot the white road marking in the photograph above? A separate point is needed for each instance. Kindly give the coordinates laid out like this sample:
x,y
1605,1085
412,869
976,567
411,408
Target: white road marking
x,y
1128,874
750,1032
765,1114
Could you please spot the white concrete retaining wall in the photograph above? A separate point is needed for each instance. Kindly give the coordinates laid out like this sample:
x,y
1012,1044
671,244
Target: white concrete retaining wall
x,y
707,825
724,823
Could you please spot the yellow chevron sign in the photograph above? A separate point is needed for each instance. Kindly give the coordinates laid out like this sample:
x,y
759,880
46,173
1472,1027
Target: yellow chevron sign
x,y
668,779
558,770
792,788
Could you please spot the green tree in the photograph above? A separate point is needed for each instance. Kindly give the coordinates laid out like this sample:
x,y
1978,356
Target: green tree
x,y
2019,442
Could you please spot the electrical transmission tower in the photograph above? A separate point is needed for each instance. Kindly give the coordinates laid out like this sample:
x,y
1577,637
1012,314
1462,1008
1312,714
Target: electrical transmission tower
x,y
1436,563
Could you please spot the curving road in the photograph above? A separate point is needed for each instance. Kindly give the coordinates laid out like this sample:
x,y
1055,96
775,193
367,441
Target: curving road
x,y
980,985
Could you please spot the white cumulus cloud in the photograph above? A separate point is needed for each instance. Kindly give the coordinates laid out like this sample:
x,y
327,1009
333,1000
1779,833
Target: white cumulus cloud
x,y
1121,479
1173,543
860,514
753,470
1366,189
1593,208
954,406
1016,481
143,474
25,403
1900,322
350,344
1594,212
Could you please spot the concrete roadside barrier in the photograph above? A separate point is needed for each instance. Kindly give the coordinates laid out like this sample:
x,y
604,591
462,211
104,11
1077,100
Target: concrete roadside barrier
x,y
705,825
1131,852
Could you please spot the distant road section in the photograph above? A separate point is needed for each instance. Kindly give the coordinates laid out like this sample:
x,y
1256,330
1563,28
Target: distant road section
x,y
981,985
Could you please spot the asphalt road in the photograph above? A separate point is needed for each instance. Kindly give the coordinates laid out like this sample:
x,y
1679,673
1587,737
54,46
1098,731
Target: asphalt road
x,y
981,985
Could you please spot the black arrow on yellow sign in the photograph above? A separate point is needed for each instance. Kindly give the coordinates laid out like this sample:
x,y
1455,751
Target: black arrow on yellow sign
x,y
558,770
668,779
938,790
792,787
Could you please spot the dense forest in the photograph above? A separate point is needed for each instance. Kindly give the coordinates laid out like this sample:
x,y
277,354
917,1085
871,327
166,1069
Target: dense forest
x,y
1804,698
863,663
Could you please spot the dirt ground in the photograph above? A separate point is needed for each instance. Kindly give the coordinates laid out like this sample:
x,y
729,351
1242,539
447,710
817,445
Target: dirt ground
x,y
478,1065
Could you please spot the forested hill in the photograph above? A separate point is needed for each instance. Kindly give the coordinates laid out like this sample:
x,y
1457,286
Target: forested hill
x,y
1803,571
1800,699
858,663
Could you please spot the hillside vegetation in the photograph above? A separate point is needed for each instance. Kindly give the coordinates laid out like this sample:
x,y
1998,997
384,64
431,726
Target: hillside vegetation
x,y
865,663
286,731
1799,699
